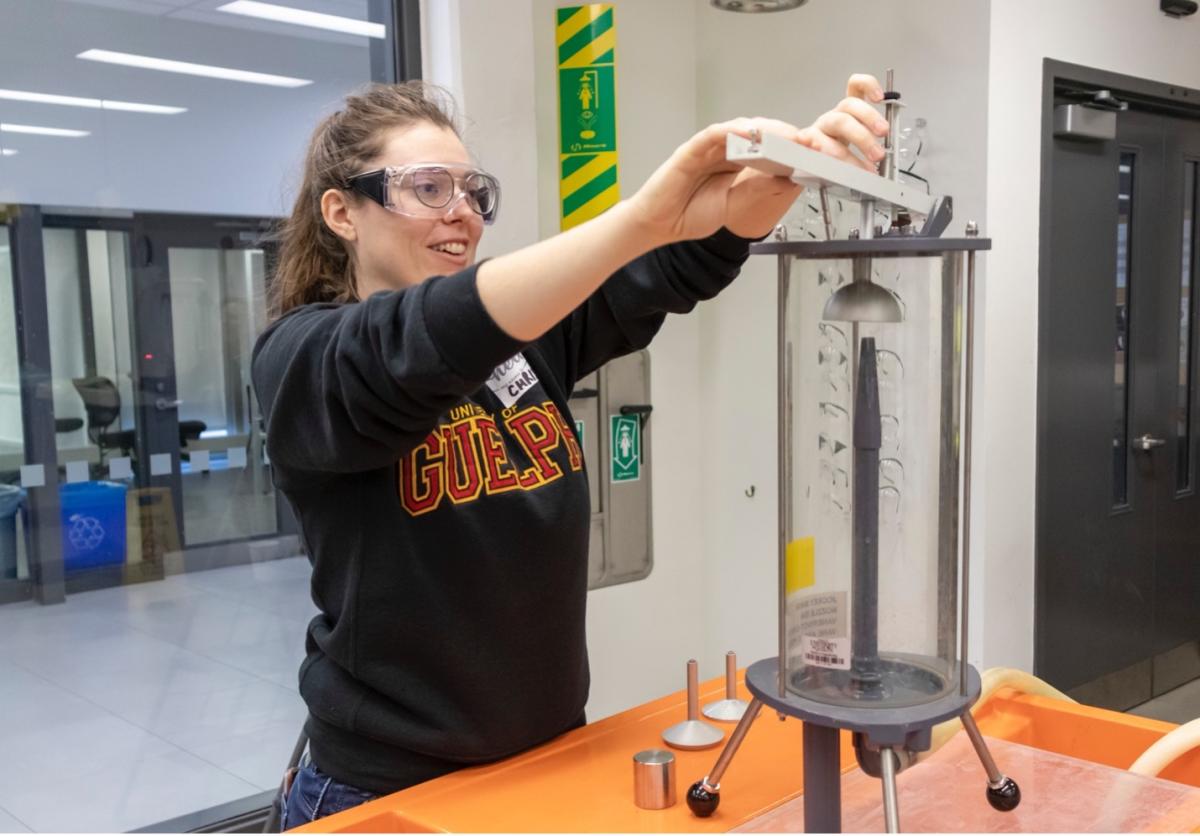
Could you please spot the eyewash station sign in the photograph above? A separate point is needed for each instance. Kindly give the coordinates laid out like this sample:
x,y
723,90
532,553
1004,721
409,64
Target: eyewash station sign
x,y
626,448
586,39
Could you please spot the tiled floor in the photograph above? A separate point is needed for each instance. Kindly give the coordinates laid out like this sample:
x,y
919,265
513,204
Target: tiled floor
x,y
126,707
130,706
1181,705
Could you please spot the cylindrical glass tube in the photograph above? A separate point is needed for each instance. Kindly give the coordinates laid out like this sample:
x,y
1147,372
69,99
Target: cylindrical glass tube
x,y
872,522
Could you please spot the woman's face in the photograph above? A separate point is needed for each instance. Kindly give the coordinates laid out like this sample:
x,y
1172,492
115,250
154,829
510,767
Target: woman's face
x,y
393,251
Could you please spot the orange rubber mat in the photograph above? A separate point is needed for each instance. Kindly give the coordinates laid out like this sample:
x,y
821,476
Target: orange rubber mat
x,y
1059,794
583,780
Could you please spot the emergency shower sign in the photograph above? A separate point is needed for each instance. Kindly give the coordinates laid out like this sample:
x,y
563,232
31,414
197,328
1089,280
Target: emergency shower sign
x,y
589,125
586,40
626,443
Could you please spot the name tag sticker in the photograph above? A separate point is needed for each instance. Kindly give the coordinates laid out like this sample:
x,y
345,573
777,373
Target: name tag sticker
x,y
512,379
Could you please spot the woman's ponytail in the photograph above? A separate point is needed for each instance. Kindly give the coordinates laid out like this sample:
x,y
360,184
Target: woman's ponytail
x,y
314,264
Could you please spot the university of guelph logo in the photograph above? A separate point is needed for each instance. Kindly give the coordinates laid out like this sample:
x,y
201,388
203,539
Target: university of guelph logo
x,y
470,456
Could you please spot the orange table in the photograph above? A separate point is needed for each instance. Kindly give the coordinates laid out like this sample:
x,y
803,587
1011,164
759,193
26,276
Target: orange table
x,y
583,781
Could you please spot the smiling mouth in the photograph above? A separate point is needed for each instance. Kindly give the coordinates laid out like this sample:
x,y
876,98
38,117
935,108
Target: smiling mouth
x,y
452,248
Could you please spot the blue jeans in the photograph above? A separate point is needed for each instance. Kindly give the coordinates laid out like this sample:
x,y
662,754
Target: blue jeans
x,y
314,795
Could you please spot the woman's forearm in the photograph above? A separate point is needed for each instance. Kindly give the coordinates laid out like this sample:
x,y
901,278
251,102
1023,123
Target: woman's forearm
x,y
529,291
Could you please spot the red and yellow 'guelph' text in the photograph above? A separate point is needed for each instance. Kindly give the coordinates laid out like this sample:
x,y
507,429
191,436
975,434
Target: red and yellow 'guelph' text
x,y
467,458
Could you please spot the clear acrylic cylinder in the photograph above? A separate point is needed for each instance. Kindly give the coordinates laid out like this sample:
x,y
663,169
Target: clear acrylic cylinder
x,y
870,472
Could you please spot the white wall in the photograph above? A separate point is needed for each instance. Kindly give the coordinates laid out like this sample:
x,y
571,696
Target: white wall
x,y
973,70
10,377
1121,36
682,64
794,65
640,634
197,309
67,359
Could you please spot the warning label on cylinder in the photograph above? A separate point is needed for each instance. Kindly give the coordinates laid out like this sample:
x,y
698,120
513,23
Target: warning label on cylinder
x,y
823,639
823,615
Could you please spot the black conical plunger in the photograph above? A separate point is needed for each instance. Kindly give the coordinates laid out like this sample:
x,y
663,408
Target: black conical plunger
x,y
864,646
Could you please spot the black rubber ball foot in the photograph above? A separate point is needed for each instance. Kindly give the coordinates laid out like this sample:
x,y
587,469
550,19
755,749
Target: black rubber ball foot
x,y
1005,797
701,802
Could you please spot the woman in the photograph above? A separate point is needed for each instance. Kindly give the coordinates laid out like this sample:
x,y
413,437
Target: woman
x,y
419,426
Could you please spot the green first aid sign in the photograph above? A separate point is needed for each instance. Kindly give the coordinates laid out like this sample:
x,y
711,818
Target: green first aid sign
x,y
626,441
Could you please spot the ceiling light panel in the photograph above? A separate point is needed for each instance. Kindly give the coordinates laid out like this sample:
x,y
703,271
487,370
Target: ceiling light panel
x,y
300,17
167,65
80,101
9,128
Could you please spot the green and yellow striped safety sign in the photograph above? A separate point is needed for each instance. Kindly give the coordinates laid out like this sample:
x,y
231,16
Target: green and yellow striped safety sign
x,y
587,111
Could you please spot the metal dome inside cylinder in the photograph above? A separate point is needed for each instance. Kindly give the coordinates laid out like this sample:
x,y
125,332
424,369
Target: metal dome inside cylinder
x,y
875,344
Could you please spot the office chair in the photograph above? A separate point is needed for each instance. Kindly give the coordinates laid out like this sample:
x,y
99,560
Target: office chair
x,y
102,406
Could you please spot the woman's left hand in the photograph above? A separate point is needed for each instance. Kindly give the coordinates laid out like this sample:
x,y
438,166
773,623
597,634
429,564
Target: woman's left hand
x,y
757,201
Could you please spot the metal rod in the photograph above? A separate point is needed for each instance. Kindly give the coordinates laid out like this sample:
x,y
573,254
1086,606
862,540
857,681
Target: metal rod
x,y
713,780
948,322
790,417
994,775
891,805
891,109
967,442
866,220
822,779
693,690
864,582
731,675
784,461
825,212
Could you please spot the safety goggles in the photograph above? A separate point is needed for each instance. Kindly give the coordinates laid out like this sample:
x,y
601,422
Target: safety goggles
x,y
428,190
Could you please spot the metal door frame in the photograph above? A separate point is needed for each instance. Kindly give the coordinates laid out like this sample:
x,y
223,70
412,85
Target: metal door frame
x,y
1158,97
46,583
153,235
148,233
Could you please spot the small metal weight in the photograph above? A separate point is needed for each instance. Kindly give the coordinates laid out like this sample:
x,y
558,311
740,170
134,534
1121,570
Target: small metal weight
x,y
654,779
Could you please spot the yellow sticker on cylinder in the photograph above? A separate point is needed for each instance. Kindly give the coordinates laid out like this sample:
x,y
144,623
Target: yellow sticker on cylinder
x,y
801,564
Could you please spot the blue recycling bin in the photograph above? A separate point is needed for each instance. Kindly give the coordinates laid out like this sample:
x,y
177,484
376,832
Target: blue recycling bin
x,y
93,524
11,498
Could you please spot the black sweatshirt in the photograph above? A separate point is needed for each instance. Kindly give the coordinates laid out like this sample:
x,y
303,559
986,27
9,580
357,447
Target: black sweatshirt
x,y
432,463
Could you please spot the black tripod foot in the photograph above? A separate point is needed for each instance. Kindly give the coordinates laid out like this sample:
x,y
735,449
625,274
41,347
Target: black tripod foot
x,y
701,801
1004,797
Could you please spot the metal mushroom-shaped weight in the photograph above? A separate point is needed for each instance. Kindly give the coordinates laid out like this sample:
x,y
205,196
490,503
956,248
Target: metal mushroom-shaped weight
x,y
693,733
730,709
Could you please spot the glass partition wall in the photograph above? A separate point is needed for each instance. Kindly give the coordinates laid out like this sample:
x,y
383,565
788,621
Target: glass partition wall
x,y
128,369
14,560
136,206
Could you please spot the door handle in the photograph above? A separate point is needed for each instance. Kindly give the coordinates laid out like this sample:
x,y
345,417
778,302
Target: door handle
x,y
1146,443
641,410
162,404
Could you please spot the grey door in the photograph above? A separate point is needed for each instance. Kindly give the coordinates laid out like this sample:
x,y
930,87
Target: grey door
x,y
199,304
1118,537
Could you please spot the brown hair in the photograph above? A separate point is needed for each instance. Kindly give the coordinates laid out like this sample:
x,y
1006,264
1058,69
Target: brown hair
x,y
314,263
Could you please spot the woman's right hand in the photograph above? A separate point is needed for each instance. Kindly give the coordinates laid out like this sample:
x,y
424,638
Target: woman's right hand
x,y
697,190
687,197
